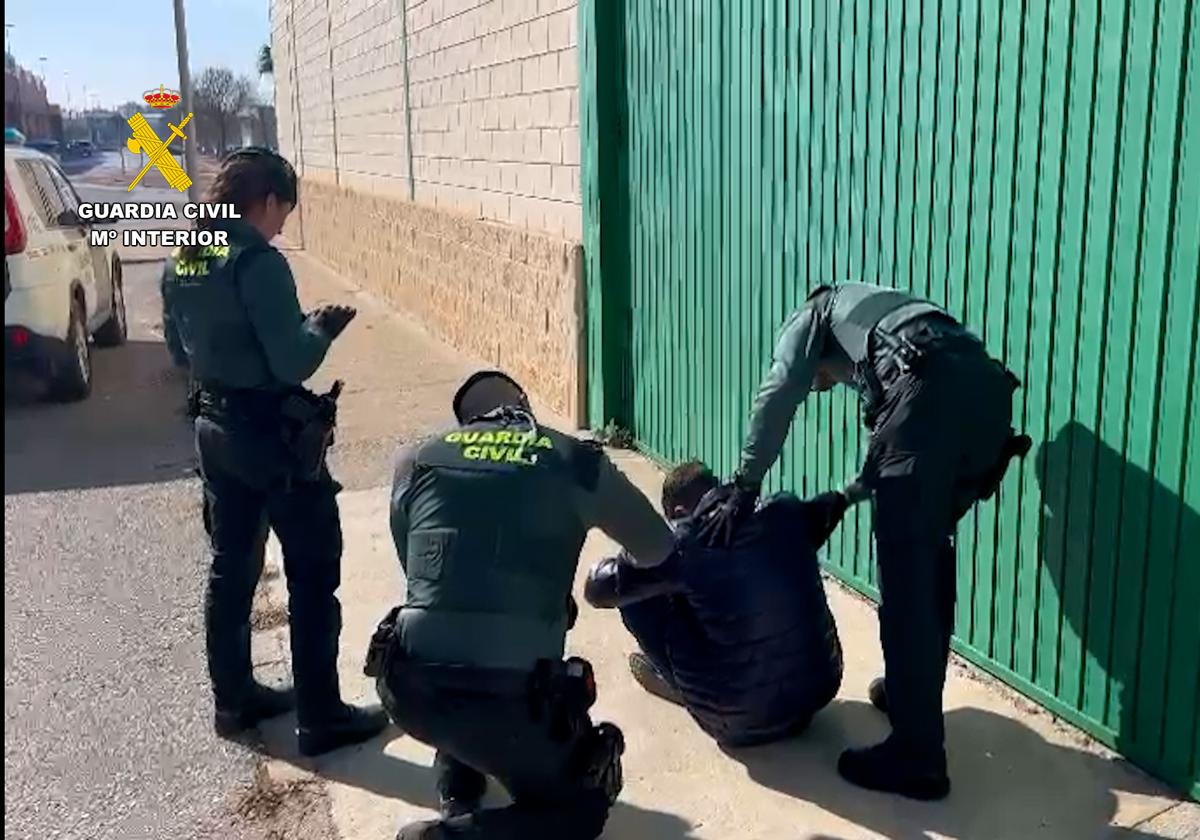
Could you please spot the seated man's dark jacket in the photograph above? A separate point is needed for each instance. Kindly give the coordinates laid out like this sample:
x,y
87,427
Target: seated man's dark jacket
x,y
751,643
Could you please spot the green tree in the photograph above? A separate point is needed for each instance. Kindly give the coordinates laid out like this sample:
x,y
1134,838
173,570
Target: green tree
x,y
266,65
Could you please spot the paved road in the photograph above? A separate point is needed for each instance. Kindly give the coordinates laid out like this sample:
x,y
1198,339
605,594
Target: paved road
x,y
107,711
108,168
106,704
106,708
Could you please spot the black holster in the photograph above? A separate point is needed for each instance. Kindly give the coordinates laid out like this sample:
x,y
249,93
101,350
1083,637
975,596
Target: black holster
x,y
597,760
309,421
1017,446
561,692
381,643
193,399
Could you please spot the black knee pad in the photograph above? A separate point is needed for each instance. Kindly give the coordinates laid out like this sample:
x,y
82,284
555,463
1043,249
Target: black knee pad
x,y
598,760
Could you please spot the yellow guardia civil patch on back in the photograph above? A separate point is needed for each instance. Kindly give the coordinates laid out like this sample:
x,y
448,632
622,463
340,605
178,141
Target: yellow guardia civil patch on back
x,y
500,446
198,265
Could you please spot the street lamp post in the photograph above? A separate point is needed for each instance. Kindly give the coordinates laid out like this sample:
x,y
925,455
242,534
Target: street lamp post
x,y
185,92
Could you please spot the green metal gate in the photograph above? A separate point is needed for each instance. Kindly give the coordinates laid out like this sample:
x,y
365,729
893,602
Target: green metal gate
x,y
1034,165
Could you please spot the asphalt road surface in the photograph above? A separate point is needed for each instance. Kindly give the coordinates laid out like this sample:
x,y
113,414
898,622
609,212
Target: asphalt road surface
x,y
107,715
108,732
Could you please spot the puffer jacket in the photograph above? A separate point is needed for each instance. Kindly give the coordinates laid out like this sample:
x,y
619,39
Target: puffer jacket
x,y
755,651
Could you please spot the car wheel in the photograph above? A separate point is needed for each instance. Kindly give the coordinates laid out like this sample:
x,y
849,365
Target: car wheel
x,y
73,379
115,330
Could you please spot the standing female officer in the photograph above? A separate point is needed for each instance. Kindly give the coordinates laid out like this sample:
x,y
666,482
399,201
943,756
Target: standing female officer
x,y
261,439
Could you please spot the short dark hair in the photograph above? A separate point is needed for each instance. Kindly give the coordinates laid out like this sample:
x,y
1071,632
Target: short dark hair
x,y
686,485
485,391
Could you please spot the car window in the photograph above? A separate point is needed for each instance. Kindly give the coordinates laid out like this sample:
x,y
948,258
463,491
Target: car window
x,y
70,198
40,185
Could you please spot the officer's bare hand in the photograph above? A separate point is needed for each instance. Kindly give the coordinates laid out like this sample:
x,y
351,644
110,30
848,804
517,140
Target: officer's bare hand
x,y
331,320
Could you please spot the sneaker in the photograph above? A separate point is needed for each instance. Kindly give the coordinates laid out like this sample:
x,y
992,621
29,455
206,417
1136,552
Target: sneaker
x,y
348,725
262,704
877,692
885,767
652,679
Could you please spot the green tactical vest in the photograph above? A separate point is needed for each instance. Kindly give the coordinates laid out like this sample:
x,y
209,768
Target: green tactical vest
x,y
855,309
493,541
201,294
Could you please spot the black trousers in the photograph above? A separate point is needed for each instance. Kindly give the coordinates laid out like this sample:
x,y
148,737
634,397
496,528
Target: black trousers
x,y
244,467
478,734
939,430
648,622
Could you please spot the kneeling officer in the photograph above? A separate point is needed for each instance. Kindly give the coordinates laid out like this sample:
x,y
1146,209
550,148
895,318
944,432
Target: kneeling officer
x,y
489,519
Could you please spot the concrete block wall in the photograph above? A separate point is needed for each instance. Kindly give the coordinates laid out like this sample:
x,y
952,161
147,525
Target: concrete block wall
x,y
495,110
455,125
490,101
511,297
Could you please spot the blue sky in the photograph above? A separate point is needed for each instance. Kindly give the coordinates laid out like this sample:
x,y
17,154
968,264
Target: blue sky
x,y
119,48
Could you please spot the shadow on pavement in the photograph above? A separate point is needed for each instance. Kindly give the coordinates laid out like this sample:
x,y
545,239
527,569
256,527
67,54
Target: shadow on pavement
x,y
131,430
1008,781
370,768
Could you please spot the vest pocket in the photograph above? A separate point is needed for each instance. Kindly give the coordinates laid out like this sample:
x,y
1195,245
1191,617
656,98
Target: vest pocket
x,y
429,551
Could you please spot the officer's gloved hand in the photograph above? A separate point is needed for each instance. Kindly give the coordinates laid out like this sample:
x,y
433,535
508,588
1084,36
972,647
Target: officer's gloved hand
x,y
603,587
724,510
331,320
856,490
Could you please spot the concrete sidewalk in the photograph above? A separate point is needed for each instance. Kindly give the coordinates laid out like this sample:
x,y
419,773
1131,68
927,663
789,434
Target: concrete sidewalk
x,y
1017,773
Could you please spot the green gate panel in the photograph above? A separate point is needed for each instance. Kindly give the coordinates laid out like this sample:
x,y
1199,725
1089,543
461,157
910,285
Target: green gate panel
x,y
1034,167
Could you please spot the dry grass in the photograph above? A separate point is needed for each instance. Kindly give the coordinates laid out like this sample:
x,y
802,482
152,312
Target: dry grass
x,y
268,616
278,810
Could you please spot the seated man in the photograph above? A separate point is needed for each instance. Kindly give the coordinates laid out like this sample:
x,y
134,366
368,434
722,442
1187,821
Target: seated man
x,y
741,636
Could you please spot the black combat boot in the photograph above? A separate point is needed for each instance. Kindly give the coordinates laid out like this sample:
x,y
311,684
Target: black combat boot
x,y
652,679
460,788
344,727
261,703
890,768
877,692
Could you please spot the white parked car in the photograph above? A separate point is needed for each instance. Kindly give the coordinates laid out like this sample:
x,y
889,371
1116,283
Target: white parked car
x,y
59,291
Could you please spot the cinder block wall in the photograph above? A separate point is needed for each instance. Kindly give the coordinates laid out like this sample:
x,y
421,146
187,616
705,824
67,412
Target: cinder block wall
x,y
438,152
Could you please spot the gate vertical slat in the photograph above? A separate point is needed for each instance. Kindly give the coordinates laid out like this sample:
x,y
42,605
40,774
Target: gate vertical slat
x,y
956,262
1095,569
1177,466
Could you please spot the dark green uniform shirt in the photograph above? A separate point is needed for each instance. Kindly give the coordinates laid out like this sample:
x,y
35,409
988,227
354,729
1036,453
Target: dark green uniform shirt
x,y
488,525
234,312
832,329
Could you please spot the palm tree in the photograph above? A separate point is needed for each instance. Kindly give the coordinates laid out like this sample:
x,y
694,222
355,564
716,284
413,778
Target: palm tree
x,y
265,65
